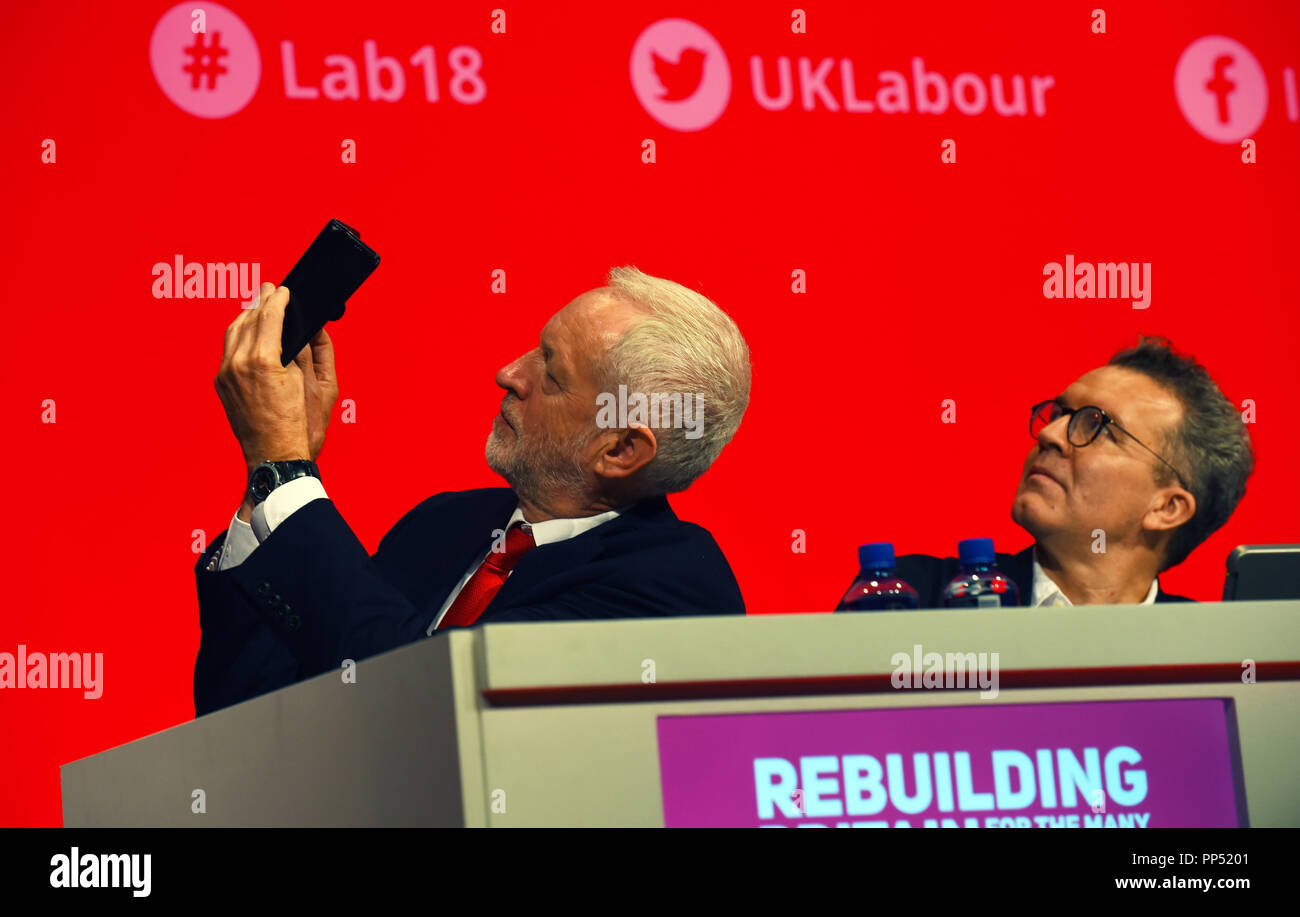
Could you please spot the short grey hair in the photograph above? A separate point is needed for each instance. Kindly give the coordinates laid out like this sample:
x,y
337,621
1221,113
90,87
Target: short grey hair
x,y
1211,445
684,345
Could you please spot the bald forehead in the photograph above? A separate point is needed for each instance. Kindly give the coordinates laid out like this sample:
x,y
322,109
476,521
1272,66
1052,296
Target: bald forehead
x,y
586,327
1139,403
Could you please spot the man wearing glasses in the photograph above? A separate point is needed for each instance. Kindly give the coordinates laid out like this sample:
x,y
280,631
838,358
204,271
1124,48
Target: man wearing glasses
x,y
1133,465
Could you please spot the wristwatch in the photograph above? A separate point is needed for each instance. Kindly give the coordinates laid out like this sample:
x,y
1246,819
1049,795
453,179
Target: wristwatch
x,y
267,476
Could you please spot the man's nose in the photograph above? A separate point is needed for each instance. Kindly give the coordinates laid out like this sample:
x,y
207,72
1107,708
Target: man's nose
x,y
1055,435
512,378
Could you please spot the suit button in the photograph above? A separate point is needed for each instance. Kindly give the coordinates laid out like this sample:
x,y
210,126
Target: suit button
x,y
291,622
263,588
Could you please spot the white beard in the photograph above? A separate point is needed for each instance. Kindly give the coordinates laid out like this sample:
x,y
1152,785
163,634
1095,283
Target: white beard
x,y
536,470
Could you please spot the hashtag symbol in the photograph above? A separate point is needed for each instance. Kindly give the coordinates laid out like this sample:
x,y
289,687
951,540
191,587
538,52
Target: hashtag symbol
x,y
211,67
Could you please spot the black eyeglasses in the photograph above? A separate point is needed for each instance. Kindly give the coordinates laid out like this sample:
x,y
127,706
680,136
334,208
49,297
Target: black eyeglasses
x,y
1086,424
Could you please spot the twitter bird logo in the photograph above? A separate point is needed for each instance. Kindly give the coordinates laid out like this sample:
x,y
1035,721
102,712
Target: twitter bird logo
x,y
680,80
680,74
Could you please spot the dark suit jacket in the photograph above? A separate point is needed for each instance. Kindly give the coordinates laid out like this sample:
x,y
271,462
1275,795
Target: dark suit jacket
x,y
928,575
310,596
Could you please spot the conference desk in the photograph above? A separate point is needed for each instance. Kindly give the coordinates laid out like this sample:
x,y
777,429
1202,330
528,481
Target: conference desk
x,y
1092,716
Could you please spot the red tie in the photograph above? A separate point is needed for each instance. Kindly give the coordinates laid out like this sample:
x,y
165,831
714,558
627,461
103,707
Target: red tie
x,y
487,580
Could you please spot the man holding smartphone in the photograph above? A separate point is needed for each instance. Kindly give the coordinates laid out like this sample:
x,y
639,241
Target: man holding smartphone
x,y
583,532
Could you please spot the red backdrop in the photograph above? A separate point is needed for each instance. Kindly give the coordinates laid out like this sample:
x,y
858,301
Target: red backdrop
x,y
924,278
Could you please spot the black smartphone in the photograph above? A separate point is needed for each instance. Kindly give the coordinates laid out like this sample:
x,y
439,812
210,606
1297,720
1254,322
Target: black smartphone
x,y
330,271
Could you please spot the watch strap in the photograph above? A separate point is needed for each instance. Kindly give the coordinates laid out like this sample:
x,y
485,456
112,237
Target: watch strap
x,y
267,476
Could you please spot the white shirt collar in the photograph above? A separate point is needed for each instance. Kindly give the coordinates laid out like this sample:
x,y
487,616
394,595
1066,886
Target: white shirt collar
x,y
553,530
1046,592
548,532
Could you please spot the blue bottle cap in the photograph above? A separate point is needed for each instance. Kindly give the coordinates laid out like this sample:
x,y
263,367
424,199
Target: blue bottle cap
x,y
976,551
879,555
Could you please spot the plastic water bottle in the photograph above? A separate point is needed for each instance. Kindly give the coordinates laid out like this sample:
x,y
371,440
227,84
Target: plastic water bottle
x,y
877,589
980,582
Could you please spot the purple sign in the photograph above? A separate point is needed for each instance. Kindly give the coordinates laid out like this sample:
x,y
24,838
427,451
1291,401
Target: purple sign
x,y
1126,764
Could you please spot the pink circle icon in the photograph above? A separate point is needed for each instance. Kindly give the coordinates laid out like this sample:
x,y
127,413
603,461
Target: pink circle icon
x,y
213,73
680,74
1221,89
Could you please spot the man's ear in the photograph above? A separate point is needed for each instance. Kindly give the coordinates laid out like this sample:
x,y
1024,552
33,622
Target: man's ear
x,y
1171,507
624,452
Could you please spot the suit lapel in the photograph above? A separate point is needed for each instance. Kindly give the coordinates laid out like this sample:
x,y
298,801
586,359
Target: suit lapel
x,y
462,535
549,560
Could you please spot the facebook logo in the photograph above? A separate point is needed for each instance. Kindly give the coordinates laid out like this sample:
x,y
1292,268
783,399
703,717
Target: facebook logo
x,y
1221,89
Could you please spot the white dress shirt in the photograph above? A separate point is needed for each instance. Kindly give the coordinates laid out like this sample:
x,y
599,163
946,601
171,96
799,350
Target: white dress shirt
x,y
548,532
242,538
1046,592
